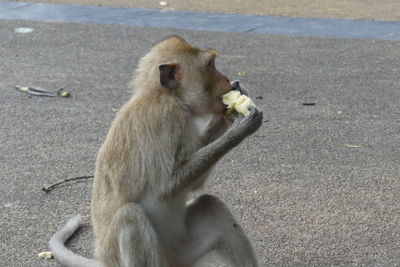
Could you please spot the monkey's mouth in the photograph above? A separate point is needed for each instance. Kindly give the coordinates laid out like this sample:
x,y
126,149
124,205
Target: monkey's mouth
x,y
218,105
220,100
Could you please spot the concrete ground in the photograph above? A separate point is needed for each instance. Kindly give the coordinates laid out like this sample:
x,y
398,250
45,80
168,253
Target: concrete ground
x,y
315,186
354,9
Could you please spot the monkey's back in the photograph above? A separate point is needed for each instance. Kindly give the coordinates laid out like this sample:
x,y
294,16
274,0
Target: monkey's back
x,y
140,149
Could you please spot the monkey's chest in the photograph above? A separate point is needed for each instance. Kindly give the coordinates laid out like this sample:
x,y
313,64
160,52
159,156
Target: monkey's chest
x,y
190,143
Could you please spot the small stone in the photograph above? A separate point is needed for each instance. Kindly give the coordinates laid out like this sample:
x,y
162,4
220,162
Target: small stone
x,y
8,205
23,30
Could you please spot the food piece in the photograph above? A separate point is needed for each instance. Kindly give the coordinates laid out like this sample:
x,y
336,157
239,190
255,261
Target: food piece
x,y
45,255
23,88
65,94
243,104
230,98
236,101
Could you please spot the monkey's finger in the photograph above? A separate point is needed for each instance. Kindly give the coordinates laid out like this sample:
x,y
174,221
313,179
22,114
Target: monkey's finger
x,y
244,91
255,120
235,85
256,114
253,110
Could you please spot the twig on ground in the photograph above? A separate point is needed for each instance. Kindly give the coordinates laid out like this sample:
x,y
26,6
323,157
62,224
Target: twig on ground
x,y
48,188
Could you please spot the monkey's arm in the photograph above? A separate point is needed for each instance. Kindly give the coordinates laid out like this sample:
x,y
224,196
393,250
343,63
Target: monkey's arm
x,y
214,129
187,172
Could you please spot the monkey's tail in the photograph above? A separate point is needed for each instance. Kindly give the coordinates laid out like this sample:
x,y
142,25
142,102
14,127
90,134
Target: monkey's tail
x,y
64,255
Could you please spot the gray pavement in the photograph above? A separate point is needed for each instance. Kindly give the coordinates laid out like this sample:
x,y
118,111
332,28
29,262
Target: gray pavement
x,y
304,197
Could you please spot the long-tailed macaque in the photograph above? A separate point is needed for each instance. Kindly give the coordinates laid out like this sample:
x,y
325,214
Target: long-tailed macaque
x,y
153,157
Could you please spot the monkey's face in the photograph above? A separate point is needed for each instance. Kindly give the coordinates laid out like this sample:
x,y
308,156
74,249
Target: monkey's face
x,y
191,74
205,85
217,85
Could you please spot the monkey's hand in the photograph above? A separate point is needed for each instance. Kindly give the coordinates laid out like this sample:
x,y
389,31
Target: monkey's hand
x,y
243,126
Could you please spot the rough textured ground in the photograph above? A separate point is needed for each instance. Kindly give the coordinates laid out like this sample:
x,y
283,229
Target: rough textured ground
x,y
305,197
354,9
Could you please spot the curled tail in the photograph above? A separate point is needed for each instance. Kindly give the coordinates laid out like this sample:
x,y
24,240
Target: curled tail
x,y
64,255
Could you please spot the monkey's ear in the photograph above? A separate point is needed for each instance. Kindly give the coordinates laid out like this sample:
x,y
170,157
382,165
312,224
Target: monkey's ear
x,y
170,77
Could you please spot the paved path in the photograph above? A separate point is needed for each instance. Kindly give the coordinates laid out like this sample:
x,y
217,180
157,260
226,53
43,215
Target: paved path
x,y
316,186
190,20
351,9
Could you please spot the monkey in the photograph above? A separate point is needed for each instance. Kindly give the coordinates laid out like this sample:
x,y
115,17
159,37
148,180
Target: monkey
x,y
154,157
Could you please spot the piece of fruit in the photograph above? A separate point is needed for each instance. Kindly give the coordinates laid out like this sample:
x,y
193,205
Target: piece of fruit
x,y
236,101
65,94
45,255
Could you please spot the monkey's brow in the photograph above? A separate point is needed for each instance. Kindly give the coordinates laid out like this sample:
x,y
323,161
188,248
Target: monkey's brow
x,y
211,51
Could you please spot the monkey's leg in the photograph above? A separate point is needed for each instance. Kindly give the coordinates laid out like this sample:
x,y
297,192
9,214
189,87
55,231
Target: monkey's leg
x,y
134,238
212,226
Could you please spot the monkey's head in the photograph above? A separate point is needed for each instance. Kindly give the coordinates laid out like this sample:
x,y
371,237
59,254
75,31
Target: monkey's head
x,y
176,67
